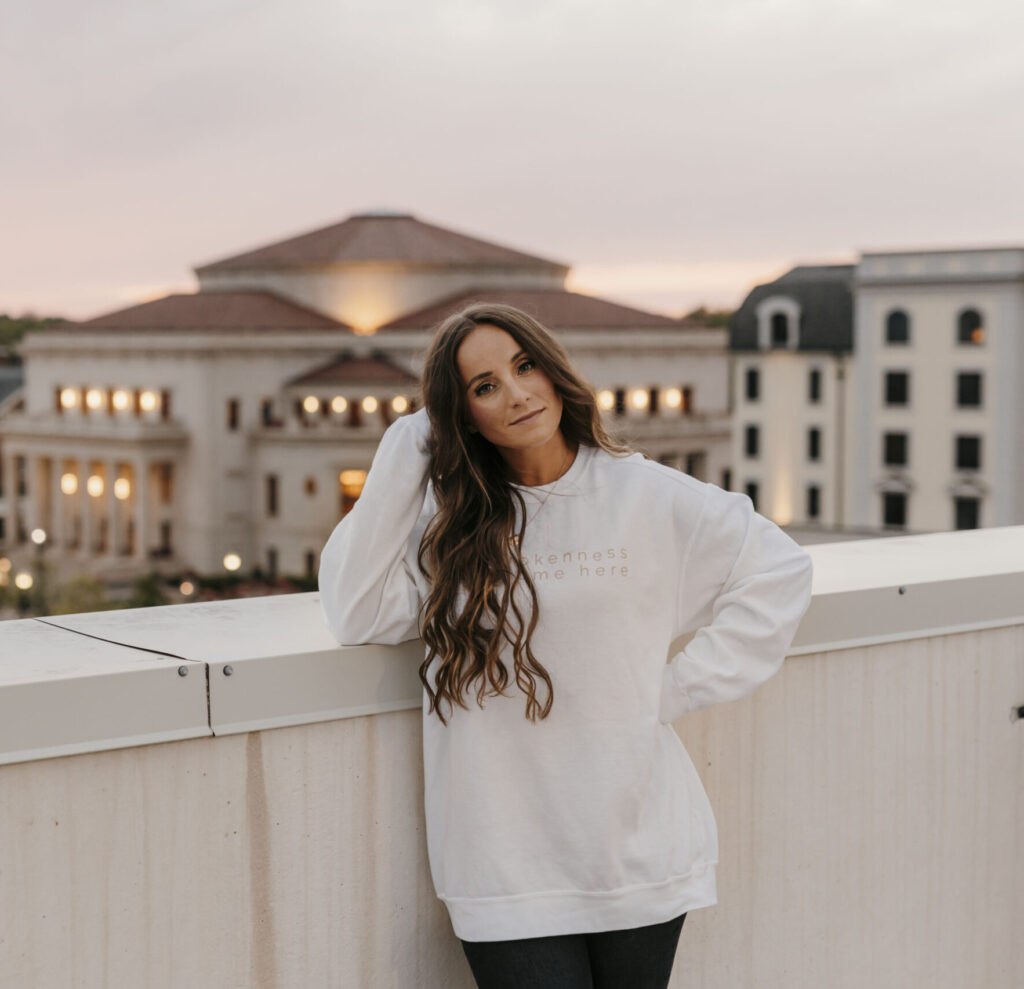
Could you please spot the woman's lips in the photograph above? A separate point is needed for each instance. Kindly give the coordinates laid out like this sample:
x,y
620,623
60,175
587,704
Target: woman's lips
x,y
529,418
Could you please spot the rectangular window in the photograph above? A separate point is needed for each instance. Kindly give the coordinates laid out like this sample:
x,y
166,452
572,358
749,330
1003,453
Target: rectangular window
x,y
814,386
968,453
165,479
751,441
620,401
3,528
894,509
894,453
652,402
968,389
310,564
267,412
165,539
814,443
272,562
165,404
813,501
897,388
234,413
20,481
752,493
687,399
726,479
271,495
753,386
967,512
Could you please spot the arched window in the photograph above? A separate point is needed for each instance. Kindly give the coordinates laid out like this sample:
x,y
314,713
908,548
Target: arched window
x,y
780,329
897,327
970,329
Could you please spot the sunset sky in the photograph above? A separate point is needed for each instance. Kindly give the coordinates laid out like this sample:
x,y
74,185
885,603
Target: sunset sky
x,y
675,153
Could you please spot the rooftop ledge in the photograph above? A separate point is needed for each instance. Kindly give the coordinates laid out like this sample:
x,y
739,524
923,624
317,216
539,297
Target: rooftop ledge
x,y
108,680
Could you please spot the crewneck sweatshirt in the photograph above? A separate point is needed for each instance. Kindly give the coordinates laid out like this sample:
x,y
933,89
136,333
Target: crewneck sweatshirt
x,y
593,818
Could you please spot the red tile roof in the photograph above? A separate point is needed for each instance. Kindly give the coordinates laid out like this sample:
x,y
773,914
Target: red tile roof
x,y
379,237
554,308
348,370
210,311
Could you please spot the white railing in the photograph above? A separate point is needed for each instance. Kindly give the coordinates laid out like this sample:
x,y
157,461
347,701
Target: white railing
x,y
870,797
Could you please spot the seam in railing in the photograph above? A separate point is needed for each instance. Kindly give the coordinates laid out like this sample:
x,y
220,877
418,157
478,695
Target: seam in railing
x,y
154,652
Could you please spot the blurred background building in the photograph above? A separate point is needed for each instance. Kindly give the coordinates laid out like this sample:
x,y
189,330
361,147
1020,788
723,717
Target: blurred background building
x,y
232,427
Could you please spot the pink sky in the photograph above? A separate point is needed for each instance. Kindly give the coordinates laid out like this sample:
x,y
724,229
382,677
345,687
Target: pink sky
x,y
675,154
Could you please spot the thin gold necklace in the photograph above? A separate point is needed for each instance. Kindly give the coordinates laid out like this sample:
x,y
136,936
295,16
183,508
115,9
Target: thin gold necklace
x,y
514,540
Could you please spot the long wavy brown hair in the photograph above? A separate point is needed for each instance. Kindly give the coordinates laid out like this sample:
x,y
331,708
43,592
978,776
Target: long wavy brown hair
x,y
470,547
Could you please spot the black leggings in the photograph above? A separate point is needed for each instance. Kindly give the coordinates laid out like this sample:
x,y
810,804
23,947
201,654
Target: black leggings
x,y
639,957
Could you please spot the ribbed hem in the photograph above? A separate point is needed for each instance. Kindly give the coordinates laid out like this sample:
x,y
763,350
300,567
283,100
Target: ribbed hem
x,y
505,918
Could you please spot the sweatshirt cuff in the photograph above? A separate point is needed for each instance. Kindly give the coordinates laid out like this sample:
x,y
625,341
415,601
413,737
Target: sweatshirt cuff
x,y
675,700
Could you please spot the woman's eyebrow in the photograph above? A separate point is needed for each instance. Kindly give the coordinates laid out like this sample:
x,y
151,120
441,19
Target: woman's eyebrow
x,y
487,374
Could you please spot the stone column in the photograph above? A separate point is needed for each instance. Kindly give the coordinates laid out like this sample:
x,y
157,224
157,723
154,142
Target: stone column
x,y
57,538
86,503
11,494
140,467
112,535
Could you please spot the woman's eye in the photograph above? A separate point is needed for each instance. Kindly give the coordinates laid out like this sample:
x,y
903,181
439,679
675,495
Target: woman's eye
x,y
483,389
525,366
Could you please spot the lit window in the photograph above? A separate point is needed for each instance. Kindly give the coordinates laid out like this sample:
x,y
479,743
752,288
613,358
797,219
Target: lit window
x,y
639,398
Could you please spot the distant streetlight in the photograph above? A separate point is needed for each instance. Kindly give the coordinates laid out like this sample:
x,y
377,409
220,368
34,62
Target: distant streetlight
x,y
38,536
232,561
369,404
23,581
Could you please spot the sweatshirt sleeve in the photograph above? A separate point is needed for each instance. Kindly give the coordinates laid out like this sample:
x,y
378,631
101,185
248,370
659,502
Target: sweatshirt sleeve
x,y
745,586
367,589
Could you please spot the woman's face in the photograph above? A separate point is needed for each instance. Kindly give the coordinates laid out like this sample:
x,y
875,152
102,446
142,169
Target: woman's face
x,y
510,400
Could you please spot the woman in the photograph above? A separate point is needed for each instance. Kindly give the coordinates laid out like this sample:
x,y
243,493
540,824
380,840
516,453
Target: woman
x,y
548,571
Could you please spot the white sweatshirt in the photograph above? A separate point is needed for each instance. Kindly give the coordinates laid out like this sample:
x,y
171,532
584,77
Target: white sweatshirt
x,y
593,819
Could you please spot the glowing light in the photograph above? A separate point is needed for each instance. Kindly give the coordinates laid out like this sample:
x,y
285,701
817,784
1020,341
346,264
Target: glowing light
x,y
639,398
120,399
673,398
147,401
399,403
605,400
978,335
23,581
352,482
94,398
94,485
38,536
122,488
311,403
68,398
369,404
232,561
186,587
69,483
5,564
339,404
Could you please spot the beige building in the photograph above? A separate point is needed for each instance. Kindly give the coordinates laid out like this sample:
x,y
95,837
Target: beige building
x,y
233,426
884,396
